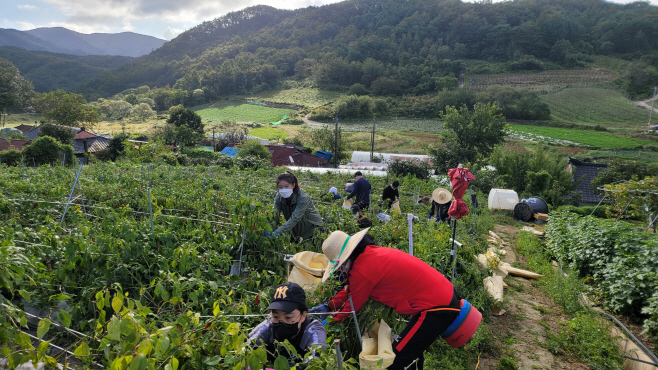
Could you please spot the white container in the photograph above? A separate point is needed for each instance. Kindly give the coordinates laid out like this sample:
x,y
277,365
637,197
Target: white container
x,y
503,199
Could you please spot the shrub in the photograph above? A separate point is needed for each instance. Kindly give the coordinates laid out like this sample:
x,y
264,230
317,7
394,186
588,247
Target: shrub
x,y
223,160
60,133
515,103
357,89
293,121
253,148
45,150
419,169
252,162
11,157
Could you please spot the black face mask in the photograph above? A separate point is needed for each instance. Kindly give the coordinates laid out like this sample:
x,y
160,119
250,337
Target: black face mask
x,y
284,331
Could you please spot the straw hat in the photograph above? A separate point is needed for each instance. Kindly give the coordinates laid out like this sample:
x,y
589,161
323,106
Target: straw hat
x,y
441,195
338,247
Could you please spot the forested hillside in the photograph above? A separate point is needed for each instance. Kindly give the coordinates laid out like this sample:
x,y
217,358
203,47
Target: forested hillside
x,y
52,71
394,47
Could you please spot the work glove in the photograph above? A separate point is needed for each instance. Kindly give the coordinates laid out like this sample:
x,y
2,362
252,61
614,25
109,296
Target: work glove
x,y
429,217
271,234
319,310
438,218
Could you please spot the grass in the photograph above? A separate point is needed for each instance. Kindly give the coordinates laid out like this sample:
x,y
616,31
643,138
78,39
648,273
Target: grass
x,y
304,97
270,133
243,113
566,136
391,141
594,106
420,125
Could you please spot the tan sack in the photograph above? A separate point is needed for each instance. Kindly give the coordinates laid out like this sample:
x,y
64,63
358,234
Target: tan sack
x,y
308,269
396,207
347,203
377,346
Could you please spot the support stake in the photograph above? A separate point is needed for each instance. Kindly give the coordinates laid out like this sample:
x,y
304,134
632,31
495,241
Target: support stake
x,y
339,356
410,218
72,191
356,322
150,208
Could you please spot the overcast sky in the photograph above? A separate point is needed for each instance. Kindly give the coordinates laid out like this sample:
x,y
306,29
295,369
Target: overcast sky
x,y
164,19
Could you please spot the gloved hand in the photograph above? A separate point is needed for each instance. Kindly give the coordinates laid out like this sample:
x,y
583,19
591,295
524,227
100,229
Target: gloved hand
x,y
319,310
438,218
429,217
271,234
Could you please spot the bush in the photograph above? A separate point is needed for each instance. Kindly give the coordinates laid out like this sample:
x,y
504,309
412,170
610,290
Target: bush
x,y
45,150
293,121
60,133
357,89
419,169
515,103
253,148
223,160
252,162
11,157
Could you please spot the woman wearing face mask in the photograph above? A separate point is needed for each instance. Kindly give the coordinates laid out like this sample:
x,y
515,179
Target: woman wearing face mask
x,y
297,207
401,281
289,320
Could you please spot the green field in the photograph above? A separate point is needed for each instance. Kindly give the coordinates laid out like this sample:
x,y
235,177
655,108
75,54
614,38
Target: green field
x,y
303,97
563,136
419,125
243,113
269,133
594,106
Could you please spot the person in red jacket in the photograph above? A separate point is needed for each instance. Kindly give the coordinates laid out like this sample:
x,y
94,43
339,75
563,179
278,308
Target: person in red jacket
x,y
396,279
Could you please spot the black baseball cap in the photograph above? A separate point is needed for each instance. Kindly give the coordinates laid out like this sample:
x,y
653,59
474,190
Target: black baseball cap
x,y
355,208
287,297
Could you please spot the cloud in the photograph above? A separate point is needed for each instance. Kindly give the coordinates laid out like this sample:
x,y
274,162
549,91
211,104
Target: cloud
x,y
19,25
171,32
26,7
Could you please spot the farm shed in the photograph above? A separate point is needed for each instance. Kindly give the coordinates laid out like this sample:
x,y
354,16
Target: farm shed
x,y
358,156
583,173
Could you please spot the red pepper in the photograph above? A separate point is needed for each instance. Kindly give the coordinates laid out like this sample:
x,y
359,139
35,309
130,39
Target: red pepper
x,y
257,300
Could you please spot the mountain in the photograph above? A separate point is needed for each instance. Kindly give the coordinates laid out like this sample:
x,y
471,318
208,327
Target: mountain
x,y
62,40
394,47
51,71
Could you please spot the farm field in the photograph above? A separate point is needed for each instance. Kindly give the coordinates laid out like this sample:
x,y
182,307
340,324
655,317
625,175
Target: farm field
x,y
563,136
304,97
240,112
270,133
545,81
419,125
594,106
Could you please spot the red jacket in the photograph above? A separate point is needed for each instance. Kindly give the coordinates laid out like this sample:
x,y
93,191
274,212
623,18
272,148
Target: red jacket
x,y
395,279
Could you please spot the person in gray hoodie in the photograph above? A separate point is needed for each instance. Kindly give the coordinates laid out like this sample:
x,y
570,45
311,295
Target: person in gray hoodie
x,y
290,321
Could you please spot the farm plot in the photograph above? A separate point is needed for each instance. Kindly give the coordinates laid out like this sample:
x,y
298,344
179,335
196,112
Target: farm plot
x,y
544,81
594,106
420,125
152,289
304,97
243,113
562,136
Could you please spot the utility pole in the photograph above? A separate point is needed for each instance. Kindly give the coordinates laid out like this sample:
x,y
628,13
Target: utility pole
x,y
651,111
213,139
336,143
372,139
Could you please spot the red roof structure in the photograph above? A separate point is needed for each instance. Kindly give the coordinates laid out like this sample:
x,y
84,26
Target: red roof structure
x,y
287,156
24,128
6,144
84,135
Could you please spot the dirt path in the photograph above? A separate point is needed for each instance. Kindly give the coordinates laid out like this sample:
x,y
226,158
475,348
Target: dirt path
x,y
313,123
529,315
647,104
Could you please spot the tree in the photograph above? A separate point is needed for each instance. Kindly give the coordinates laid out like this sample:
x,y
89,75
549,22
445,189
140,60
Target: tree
x,y
143,111
253,148
14,89
115,109
66,109
131,98
470,136
45,150
60,133
186,117
324,139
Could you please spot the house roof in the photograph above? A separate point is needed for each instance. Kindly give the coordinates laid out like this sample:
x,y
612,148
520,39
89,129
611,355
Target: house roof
x,y
84,135
229,150
583,174
285,156
94,144
32,134
24,128
6,144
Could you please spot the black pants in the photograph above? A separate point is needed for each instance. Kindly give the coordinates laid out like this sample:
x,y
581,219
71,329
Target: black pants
x,y
423,329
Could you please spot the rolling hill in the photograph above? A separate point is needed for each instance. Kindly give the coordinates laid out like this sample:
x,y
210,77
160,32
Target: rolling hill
x,y
62,40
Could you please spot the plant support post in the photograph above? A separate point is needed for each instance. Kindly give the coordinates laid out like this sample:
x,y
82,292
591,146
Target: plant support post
x,y
339,356
410,218
150,208
72,191
356,322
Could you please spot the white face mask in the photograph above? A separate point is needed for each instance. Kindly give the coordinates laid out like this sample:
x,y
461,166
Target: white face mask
x,y
285,193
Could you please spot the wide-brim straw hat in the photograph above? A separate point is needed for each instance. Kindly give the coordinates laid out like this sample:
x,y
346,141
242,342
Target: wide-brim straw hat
x,y
338,247
441,195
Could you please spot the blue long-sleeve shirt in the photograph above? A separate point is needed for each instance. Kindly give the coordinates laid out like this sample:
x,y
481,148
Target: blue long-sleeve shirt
x,y
361,191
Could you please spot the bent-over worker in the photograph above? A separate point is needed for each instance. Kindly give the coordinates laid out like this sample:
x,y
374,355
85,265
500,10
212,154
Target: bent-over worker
x,y
396,279
297,207
361,191
391,193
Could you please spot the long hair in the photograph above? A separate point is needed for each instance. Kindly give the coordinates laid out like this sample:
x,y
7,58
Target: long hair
x,y
361,247
290,178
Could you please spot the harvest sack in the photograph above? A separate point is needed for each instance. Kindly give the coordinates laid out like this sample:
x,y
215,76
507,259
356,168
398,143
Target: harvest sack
x,y
377,345
396,207
347,203
308,269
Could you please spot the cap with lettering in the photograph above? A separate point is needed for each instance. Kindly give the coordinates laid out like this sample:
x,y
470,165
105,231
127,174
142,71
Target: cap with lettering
x,y
287,297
